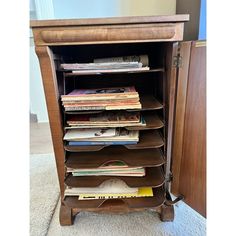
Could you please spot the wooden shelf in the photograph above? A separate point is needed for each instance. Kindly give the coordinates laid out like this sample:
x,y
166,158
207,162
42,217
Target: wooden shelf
x,y
124,204
132,158
147,139
148,103
154,178
153,121
70,74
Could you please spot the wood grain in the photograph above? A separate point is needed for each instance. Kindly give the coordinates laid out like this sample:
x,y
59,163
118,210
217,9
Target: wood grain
x,y
108,34
170,92
52,96
50,35
182,82
132,158
192,166
110,20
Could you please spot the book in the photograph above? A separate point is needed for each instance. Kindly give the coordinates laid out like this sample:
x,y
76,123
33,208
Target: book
x,y
120,124
112,168
108,108
102,134
141,123
134,58
112,188
134,173
101,94
105,118
85,134
142,192
109,186
94,143
101,65
114,98
90,72
99,102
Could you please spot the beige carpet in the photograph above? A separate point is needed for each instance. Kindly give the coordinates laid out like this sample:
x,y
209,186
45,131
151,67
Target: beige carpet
x,y
187,221
44,192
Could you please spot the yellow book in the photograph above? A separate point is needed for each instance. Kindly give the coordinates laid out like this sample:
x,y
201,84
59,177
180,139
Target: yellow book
x,y
142,192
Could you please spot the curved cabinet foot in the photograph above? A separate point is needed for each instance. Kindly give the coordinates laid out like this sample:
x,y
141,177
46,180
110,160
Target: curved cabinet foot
x,y
66,216
167,213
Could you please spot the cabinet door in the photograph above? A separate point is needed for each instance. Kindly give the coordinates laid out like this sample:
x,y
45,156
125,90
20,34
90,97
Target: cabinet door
x,y
189,140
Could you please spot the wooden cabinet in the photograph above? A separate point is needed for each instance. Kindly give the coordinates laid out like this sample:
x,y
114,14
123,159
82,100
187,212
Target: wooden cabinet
x,y
83,40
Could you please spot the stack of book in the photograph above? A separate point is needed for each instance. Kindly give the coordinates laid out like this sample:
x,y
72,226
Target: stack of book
x,y
117,98
110,189
105,119
113,168
106,65
101,136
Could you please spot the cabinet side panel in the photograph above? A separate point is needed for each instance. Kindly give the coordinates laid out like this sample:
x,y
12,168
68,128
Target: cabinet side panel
x,y
51,92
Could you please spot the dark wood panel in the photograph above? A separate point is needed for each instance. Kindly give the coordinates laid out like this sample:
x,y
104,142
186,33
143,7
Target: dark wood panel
x,y
154,178
169,94
127,203
192,169
181,96
132,158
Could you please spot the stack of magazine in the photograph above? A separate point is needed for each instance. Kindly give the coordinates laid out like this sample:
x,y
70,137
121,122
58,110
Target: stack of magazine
x,y
112,168
110,189
105,119
115,98
107,65
101,136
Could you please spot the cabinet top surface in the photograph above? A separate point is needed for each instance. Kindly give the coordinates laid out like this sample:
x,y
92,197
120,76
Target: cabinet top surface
x,y
109,21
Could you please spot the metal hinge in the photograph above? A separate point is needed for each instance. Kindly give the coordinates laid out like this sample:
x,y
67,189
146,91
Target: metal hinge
x,y
177,61
170,177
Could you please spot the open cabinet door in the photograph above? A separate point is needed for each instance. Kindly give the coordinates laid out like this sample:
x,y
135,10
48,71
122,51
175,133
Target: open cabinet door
x,y
189,140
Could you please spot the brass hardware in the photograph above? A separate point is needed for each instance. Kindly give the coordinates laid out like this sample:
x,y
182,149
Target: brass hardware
x,y
177,61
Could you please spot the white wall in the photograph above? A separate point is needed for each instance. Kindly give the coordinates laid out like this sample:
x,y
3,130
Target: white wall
x,y
37,99
39,9
64,9
85,8
67,9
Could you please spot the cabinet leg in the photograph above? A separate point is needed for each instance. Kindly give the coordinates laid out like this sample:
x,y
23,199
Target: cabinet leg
x,y
66,216
167,213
